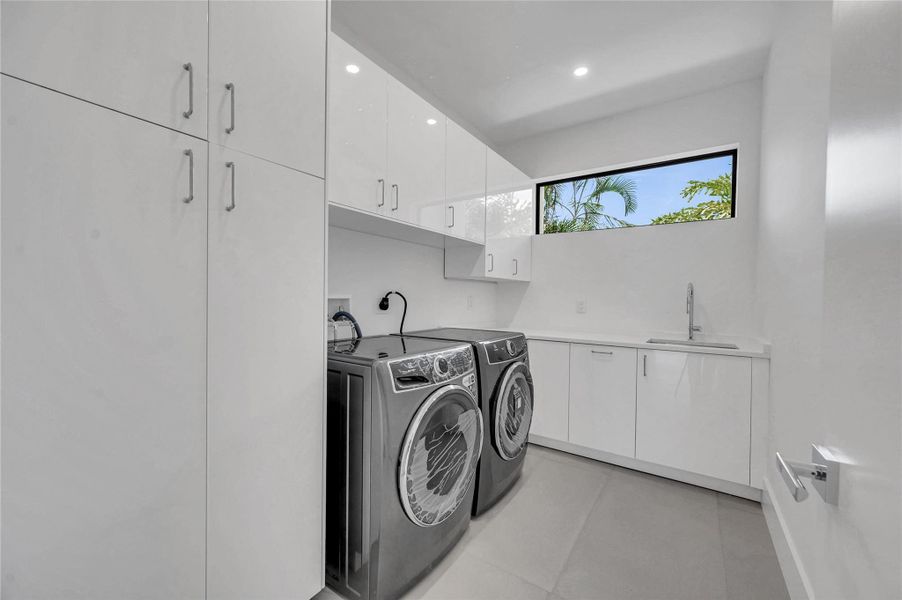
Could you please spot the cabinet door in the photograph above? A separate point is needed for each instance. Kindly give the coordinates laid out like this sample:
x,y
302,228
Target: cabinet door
x,y
273,54
128,56
103,311
693,412
465,158
415,158
510,209
265,380
357,127
603,398
550,366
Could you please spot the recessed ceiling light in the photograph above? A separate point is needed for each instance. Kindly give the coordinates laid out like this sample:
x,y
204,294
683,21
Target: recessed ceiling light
x,y
580,71
352,69
431,121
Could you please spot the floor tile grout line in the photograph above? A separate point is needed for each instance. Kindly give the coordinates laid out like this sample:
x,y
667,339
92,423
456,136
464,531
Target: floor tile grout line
x,y
582,528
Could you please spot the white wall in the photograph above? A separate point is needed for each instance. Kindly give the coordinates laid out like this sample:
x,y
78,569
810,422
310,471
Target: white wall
x,y
830,285
366,266
634,280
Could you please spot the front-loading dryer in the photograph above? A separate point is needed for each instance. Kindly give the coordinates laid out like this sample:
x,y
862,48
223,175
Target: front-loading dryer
x,y
506,400
404,436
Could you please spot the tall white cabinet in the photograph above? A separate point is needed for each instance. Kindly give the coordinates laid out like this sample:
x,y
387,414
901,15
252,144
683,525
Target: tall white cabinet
x,y
163,346
103,333
264,427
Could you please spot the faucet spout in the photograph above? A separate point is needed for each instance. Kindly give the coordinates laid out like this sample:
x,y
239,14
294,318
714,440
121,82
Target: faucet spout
x,y
690,310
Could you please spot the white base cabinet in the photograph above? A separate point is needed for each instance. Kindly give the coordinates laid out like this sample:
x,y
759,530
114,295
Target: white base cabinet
x,y
603,398
694,416
265,380
694,411
104,351
549,363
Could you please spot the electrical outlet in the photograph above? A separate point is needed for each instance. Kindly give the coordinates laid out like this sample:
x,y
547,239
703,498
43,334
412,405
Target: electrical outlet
x,y
581,306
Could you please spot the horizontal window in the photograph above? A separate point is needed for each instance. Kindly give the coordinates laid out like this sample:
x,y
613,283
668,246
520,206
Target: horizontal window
x,y
698,188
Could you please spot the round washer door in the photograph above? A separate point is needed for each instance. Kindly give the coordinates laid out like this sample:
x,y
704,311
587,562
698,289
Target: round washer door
x,y
440,454
513,411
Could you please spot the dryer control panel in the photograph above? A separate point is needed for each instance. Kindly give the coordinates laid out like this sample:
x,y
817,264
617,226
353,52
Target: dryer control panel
x,y
435,367
505,350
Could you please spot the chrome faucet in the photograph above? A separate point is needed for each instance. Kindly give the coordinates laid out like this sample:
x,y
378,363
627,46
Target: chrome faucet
x,y
690,310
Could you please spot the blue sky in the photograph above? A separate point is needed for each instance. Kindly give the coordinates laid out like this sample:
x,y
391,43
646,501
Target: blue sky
x,y
658,190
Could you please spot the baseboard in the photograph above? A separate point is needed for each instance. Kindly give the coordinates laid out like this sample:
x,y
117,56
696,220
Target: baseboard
x,y
718,485
797,581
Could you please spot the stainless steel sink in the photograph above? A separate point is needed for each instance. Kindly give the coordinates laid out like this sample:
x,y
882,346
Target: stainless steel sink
x,y
692,343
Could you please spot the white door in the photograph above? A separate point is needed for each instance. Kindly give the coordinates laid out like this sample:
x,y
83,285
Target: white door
x,y
549,363
357,127
510,208
272,55
465,158
129,56
415,159
603,398
103,310
265,380
693,412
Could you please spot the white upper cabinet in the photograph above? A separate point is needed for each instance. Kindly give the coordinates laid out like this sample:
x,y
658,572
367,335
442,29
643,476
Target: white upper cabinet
x,y
465,171
104,342
357,129
603,398
415,157
510,207
272,57
266,380
693,412
129,56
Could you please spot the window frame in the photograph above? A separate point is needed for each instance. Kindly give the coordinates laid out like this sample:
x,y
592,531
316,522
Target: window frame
x,y
732,152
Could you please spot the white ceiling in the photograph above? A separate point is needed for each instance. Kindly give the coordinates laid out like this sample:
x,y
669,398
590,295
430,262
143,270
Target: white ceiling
x,y
506,68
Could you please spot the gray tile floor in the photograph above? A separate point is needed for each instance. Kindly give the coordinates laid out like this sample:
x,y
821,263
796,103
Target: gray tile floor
x,y
577,529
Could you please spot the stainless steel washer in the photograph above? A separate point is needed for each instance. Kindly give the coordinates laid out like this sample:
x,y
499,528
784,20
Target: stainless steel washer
x,y
506,400
404,436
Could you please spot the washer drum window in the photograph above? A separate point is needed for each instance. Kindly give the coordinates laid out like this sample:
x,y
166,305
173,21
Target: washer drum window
x,y
513,411
439,456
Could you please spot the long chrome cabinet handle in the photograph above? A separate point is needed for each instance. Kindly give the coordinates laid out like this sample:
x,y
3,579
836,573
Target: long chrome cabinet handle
x,y
605,352
190,154
382,190
394,186
451,226
491,262
516,266
231,88
188,67
645,365
231,205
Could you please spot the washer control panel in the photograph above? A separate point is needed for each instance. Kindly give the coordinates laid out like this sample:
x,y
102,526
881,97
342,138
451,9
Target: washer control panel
x,y
506,349
435,367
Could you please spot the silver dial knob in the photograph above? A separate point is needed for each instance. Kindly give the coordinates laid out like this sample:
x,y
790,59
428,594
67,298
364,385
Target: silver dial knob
x,y
510,347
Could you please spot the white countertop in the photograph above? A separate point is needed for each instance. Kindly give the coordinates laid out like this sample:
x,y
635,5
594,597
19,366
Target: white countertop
x,y
747,347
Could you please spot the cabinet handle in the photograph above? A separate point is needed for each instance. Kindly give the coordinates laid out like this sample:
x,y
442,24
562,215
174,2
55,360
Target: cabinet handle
x,y
188,67
382,188
231,88
231,205
645,365
516,266
190,154
605,352
394,186
491,262
451,226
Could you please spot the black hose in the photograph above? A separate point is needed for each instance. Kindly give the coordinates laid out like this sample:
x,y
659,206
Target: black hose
x,y
384,303
342,314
